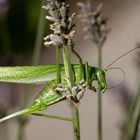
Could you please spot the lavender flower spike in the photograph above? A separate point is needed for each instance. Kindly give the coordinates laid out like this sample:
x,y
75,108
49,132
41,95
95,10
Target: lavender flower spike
x,y
96,24
61,24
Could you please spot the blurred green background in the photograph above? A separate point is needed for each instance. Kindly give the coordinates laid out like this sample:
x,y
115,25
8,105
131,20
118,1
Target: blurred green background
x,y
18,25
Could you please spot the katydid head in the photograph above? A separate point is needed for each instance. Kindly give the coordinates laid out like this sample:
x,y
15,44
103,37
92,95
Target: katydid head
x,y
101,79
100,74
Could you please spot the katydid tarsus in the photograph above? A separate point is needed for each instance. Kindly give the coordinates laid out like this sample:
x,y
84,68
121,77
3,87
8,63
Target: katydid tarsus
x,y
47,73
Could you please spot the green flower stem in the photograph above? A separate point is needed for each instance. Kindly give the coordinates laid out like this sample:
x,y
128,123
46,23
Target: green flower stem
x,y
53,117
81,63
58,66
40,33
69,74
67,64
76,122
99,98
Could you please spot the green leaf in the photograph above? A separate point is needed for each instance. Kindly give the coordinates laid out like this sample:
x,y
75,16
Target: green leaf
x,y
32,74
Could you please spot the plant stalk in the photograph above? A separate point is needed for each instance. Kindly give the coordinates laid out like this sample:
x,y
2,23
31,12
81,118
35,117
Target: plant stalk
x,y
76,122
40,32
67,64
99,98
58,66
69,74
21,132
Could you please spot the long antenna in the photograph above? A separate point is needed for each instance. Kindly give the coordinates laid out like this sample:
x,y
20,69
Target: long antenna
x,y
113,68
138,46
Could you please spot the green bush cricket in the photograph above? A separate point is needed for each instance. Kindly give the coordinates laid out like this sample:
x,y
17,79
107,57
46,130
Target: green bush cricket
x,y
47,73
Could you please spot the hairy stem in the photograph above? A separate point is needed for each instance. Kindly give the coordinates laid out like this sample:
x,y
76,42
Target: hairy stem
x,y
69,74
99,98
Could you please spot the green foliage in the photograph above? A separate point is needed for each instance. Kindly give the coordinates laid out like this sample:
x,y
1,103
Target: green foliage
x,y
19,26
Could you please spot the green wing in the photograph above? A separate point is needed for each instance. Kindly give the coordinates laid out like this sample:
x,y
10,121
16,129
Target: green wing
x,y
33,74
